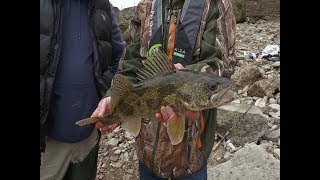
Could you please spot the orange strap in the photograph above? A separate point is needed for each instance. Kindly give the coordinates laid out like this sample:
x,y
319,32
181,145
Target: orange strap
x,y
202,128
171,39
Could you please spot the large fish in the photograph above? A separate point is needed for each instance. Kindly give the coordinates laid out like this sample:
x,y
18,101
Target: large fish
x,y
160,85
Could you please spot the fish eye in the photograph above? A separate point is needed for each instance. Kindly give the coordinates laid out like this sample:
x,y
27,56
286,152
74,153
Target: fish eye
x,y
213,87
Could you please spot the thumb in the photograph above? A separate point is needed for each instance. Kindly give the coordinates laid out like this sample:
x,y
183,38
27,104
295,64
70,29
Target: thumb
x,y
96,111
104,106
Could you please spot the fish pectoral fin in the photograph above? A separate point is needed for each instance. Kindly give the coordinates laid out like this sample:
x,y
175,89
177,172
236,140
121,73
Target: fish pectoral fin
x,y
176,128
132,126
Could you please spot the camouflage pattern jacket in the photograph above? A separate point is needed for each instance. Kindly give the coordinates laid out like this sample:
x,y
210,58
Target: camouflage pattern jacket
x,y
152,144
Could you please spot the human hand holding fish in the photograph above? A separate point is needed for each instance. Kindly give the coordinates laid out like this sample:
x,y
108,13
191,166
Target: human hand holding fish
x,y
102,109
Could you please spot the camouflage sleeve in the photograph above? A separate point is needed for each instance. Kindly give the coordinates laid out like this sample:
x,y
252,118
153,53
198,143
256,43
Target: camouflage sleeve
x,y
210,54
131,61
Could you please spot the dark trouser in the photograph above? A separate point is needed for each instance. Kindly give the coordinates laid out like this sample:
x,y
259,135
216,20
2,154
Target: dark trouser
x,y
85,170
146,174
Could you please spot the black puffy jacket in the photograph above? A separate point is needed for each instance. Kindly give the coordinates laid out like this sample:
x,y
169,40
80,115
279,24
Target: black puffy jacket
x,y
50,48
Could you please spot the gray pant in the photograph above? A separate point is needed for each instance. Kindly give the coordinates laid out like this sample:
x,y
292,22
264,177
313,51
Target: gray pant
x,y
75,161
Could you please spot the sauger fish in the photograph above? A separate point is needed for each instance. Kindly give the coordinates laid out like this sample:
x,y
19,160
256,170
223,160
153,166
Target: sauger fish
x,y
160,85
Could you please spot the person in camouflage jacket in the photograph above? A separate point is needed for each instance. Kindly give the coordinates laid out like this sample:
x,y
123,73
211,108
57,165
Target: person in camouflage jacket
x,y
157,157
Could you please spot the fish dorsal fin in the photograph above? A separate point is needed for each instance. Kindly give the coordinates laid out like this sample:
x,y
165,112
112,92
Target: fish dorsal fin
x,y
120,88
157,62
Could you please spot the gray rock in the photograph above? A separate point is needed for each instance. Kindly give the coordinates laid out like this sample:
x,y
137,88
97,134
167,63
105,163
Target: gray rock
x,y
274,58
99,166
216,157
128,136
267,67
110,135
255,98
117,164
276,38
277,153
249,127
125,157
248,101
266,109
132,141
270,124
265,87
130,171
246,75
241,57
135,157
250,162
100,176
227,156
244,90
261,102
106,153
127,177
262,71
274,115
276,64
237,101
272,101
274,127
125,145
118,151
241,62
117,129
114,158
265,144
112,142
273,135
275,106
